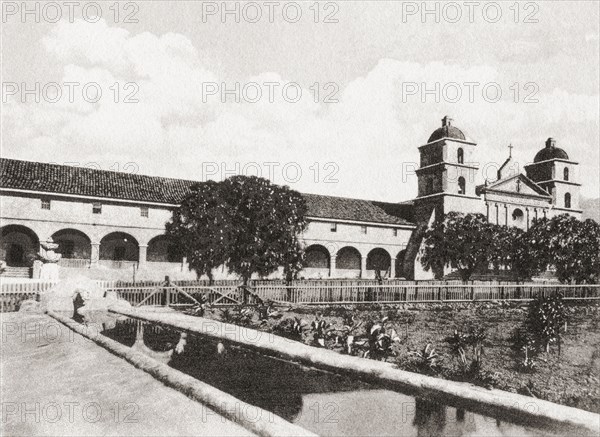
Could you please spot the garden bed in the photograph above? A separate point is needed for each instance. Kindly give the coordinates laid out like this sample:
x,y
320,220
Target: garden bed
x,y
571,378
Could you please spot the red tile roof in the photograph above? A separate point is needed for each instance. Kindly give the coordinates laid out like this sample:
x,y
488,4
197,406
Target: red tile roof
x,y
80,181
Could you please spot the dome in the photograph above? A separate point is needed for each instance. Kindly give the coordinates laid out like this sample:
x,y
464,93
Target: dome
x,y
550,152
446,131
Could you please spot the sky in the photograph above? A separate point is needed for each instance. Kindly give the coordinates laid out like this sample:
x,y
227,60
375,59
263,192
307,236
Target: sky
x,y
331,98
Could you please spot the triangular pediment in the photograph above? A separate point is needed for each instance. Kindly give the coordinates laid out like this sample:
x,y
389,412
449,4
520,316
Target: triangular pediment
x,y
518,184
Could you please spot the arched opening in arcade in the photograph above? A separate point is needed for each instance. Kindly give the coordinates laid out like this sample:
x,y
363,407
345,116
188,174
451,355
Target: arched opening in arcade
x,y
348,262
73,244
119,246
18,245
400,264
379,260
163,249
318,261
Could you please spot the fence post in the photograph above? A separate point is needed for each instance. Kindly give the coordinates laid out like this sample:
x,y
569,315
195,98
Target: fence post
x,y
167,291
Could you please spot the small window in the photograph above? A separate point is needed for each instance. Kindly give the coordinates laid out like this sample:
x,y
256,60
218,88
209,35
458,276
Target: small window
x,y
97,208
45,203
567,200
333,227
144,211
566,174
363,229
461,185
395,231
460,156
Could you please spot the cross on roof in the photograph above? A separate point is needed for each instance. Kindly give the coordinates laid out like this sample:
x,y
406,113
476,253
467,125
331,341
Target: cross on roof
x,y
510,147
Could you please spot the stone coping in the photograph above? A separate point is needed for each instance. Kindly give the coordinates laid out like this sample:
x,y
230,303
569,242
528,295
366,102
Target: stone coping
x,y
500,404
261,422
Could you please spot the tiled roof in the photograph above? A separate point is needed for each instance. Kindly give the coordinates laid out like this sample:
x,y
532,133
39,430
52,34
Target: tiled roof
x,y
342,208
63,179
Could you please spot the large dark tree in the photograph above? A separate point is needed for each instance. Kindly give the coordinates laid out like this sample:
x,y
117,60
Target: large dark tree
x,y
570,245
267,220
202,226
463,242
245,223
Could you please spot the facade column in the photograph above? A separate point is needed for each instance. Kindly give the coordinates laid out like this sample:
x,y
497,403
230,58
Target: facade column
x,y
497,215
363,267
95,255
505,214
143,249
332,266
527,212
393,268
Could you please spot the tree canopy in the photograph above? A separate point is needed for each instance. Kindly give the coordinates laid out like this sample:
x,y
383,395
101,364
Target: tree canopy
x,y
463,242
245,223
569,245
469,243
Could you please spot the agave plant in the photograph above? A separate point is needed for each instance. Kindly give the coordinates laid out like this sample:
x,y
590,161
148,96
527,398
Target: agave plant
x,y
427,357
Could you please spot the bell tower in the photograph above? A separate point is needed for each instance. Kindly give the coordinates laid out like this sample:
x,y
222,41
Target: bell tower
x,y
555,172
446,182
446,177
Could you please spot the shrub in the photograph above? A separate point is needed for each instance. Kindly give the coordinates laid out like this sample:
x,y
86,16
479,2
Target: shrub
x,y
545,318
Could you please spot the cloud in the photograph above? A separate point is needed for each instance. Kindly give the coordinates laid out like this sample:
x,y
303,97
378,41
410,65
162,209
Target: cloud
x,y
364,140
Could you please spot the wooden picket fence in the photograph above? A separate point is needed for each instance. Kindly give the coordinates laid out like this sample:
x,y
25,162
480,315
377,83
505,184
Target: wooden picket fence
x,y
340,291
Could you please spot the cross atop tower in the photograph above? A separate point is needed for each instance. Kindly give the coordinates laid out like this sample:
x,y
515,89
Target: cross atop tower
x,y
510,147
447,121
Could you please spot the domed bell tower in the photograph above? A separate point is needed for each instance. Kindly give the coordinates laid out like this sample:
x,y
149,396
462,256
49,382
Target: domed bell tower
x,y
446,177
557,174
446,182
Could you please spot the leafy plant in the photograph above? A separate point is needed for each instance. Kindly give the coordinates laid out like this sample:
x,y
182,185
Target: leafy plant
x,y
458,343
347,335
291,328
380,342
321,330
473,340
240,316
200,308
426,359
545,318
526,348
267,311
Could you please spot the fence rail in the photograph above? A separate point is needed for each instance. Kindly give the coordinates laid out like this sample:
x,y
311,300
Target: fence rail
x,y
229,293
446,292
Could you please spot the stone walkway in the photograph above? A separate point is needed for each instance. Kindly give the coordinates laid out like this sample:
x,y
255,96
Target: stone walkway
x,y
56,382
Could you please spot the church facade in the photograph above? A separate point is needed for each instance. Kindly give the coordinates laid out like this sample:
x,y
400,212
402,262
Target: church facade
x,y
111,225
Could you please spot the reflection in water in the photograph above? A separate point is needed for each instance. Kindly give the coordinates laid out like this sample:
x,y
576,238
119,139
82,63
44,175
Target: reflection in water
x,y
321,402
430,417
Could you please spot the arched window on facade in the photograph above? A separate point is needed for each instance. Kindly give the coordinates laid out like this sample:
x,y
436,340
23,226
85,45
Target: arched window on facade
x,y
460,156
566,174
567,200
461,185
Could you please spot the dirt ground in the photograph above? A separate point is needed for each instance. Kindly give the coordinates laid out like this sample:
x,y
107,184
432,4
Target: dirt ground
x,y
571,378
